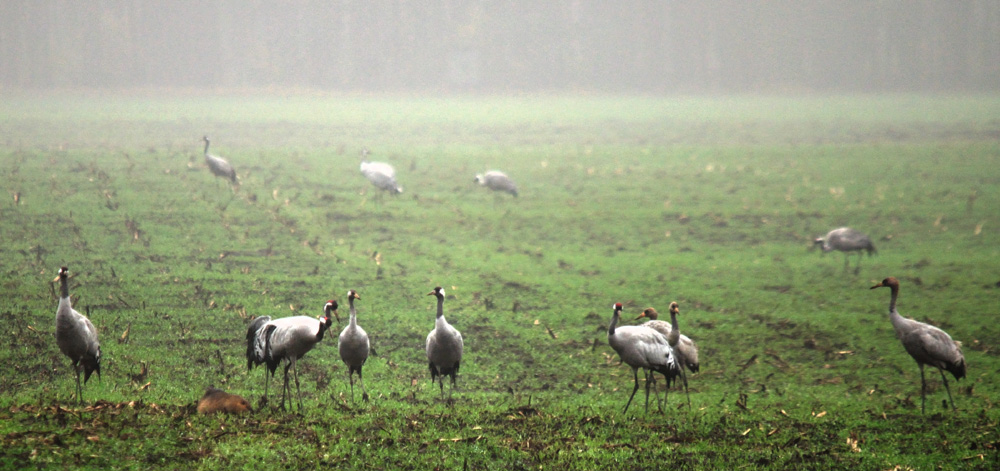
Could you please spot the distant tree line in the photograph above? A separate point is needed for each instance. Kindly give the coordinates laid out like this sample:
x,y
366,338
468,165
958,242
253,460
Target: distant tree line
x,y
657,46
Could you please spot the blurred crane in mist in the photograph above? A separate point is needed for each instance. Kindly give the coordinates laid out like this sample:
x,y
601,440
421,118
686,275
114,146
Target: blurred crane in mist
x,y
270,342
928,345
76,336
218,165
497,181
846,240
642,347
685,348
381,174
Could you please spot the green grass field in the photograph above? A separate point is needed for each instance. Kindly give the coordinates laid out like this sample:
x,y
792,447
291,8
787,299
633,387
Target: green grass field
x,y
708,201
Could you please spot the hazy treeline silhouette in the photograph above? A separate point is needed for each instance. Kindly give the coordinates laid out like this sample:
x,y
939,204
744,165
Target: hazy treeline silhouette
x,y
504,45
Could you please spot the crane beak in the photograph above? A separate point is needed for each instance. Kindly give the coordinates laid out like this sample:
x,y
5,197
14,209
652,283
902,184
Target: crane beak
x,y
357,296
879,285
431,293
56,278
641,316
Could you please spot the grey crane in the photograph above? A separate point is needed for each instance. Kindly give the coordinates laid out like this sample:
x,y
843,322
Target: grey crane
x,y
271,342
381,174
218,165
76,336
642,347
847,240
354,347
685,348
497,181
444,346
928,345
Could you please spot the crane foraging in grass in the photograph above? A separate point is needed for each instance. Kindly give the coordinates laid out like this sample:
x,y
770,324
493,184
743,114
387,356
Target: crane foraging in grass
x,y
354,347
642,347
846,240
685,348
497,181
271,342
928,345
380,174
219,166
444,346
76,336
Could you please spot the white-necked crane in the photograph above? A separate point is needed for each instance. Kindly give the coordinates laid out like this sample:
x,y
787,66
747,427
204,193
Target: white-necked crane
x,y
685,348
354,347
381,174
928,345
219,166
76,336
287,339
642,347
444,346
497,181
846,240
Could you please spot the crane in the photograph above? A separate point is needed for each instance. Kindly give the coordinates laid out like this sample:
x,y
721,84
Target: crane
x,y
685,348
287,339
444,346
846,240
381,174
353,346
497,181
219,166
76,336
642,347
928,345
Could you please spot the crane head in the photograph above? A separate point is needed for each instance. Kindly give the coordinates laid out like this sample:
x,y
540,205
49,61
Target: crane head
x,y
648,313
674,308
331,307
891,282
62,272
438,291
351,294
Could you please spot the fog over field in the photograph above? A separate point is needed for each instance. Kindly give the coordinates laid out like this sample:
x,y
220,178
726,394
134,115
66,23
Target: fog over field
x,y
504,46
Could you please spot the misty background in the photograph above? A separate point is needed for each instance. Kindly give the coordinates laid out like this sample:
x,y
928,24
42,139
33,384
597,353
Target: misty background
x,y
503,46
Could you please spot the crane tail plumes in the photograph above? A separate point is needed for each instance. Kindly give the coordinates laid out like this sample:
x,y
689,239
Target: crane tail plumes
x,y
255,348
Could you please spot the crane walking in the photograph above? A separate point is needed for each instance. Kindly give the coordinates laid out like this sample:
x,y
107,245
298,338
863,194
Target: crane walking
x,y
685,348
76,336
354,347
928,345
497,181
846,240
271,342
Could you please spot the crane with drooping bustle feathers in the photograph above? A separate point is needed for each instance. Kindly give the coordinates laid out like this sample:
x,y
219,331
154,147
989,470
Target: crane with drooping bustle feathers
x,y
353,346
380,174
219,166
287,339
76,336
685,348
444,346
642,347
846,240
928,345
497,181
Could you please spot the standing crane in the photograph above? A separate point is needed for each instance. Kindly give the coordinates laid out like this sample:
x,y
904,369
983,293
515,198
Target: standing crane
x,y
381,174
76,336
353,346
685,348
218,165
847,240
444,346
642,347
497,181
928,345
271,342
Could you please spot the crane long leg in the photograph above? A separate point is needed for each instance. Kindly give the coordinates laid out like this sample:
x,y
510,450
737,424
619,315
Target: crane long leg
x,y
923,388
364,394
79,388
946,388
298,390
284,387
350,379
635,375
684,380
649,383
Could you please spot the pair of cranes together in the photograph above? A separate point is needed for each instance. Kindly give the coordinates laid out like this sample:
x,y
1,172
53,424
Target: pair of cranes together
x,y
380,174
